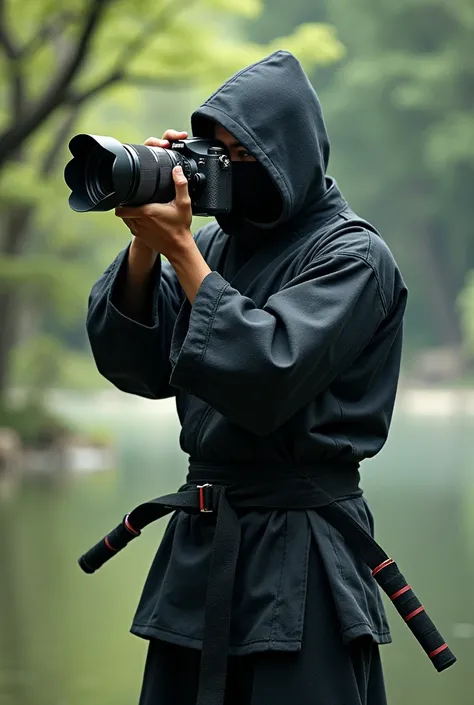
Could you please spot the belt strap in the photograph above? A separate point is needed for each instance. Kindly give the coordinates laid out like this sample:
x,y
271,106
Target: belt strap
x,y
222,500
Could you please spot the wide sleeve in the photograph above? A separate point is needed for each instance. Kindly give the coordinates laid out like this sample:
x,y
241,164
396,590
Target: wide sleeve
x,y
132,354
259,366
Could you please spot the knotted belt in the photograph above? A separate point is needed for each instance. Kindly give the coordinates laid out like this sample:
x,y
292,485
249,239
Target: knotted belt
x,y
222,490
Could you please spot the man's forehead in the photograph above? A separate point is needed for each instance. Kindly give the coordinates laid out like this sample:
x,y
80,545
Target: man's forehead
x,y
224,136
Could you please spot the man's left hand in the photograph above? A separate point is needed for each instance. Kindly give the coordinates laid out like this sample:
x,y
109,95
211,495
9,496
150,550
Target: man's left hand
x,y
164,227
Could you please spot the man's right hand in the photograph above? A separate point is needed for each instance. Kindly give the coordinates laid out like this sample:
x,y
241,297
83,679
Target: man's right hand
x,y
134,299
139,252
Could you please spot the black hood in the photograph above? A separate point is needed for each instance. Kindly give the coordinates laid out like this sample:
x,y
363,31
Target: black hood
x,y
273,110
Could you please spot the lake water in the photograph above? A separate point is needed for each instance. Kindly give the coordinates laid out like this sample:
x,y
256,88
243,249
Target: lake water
x,y
64,635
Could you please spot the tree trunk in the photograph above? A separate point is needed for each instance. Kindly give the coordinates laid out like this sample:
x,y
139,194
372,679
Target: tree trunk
x,y
441,292
14,237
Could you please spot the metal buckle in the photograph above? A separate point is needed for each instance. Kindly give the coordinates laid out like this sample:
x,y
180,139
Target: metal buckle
x,y
202,500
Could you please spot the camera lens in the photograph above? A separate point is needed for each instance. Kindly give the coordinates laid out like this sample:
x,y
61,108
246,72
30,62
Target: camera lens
x,y
98,181
104,173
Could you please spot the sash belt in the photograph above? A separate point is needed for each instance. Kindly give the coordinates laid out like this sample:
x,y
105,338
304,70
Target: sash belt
x,y
222,490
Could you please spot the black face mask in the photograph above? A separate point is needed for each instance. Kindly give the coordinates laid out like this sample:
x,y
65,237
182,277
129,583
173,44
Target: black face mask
x,y
254,194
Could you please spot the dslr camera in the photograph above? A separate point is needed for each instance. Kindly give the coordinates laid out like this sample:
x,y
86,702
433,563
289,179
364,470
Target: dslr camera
x,y
104,174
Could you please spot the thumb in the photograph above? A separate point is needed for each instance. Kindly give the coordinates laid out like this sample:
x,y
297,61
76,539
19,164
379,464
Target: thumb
x,y
181,185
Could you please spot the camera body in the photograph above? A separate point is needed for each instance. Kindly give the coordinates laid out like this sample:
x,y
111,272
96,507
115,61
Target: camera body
x,y
104,174
208,169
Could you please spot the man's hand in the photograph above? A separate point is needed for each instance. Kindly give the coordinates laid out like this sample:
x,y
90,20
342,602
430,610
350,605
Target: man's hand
x,y
162,227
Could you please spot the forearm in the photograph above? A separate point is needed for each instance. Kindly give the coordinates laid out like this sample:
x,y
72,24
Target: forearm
x,y
190,267
134,299
133,352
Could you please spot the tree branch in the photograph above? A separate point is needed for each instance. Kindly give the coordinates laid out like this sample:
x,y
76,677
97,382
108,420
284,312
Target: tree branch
x,y
14,69
11,51
80,98
54,96
55,151
134,46
49,30
131,79
59,94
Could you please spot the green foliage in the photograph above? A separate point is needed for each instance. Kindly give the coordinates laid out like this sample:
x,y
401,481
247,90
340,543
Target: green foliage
x,y
400,112
210,57
44,362
19,185
280,17
47,279
247,8
313,43
40,365
35,425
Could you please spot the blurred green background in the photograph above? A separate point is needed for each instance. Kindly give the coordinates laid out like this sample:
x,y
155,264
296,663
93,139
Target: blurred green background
x,y
396,80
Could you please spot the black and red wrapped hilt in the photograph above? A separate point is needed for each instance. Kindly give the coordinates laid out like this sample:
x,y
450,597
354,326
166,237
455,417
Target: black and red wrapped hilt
x,y
108,547
392,582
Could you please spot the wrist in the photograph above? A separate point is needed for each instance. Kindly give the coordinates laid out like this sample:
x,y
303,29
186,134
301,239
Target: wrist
x,y
141,257
183,250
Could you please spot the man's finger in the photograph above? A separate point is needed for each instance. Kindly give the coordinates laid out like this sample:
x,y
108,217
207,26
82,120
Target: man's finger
x,y
155,142
129,212
181,185
130,223
174,135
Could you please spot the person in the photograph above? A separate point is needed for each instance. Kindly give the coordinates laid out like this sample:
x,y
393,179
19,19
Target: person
x,y
278,329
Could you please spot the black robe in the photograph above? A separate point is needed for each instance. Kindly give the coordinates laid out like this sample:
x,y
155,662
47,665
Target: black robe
x,y
288,358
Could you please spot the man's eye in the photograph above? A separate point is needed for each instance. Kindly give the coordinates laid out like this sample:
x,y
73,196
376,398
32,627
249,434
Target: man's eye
x,y
242,154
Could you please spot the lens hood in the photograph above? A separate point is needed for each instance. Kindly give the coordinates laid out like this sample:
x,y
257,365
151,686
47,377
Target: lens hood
x,y
100,174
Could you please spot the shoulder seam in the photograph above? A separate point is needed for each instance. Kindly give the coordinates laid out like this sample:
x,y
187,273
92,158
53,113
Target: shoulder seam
x,y
357,255
347,253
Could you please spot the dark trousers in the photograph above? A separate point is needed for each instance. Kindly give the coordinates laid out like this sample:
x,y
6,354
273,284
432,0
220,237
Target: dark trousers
x,y
340,677
324,672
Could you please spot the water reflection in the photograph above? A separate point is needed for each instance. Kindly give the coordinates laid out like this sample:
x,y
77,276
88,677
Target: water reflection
x,y
64,635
